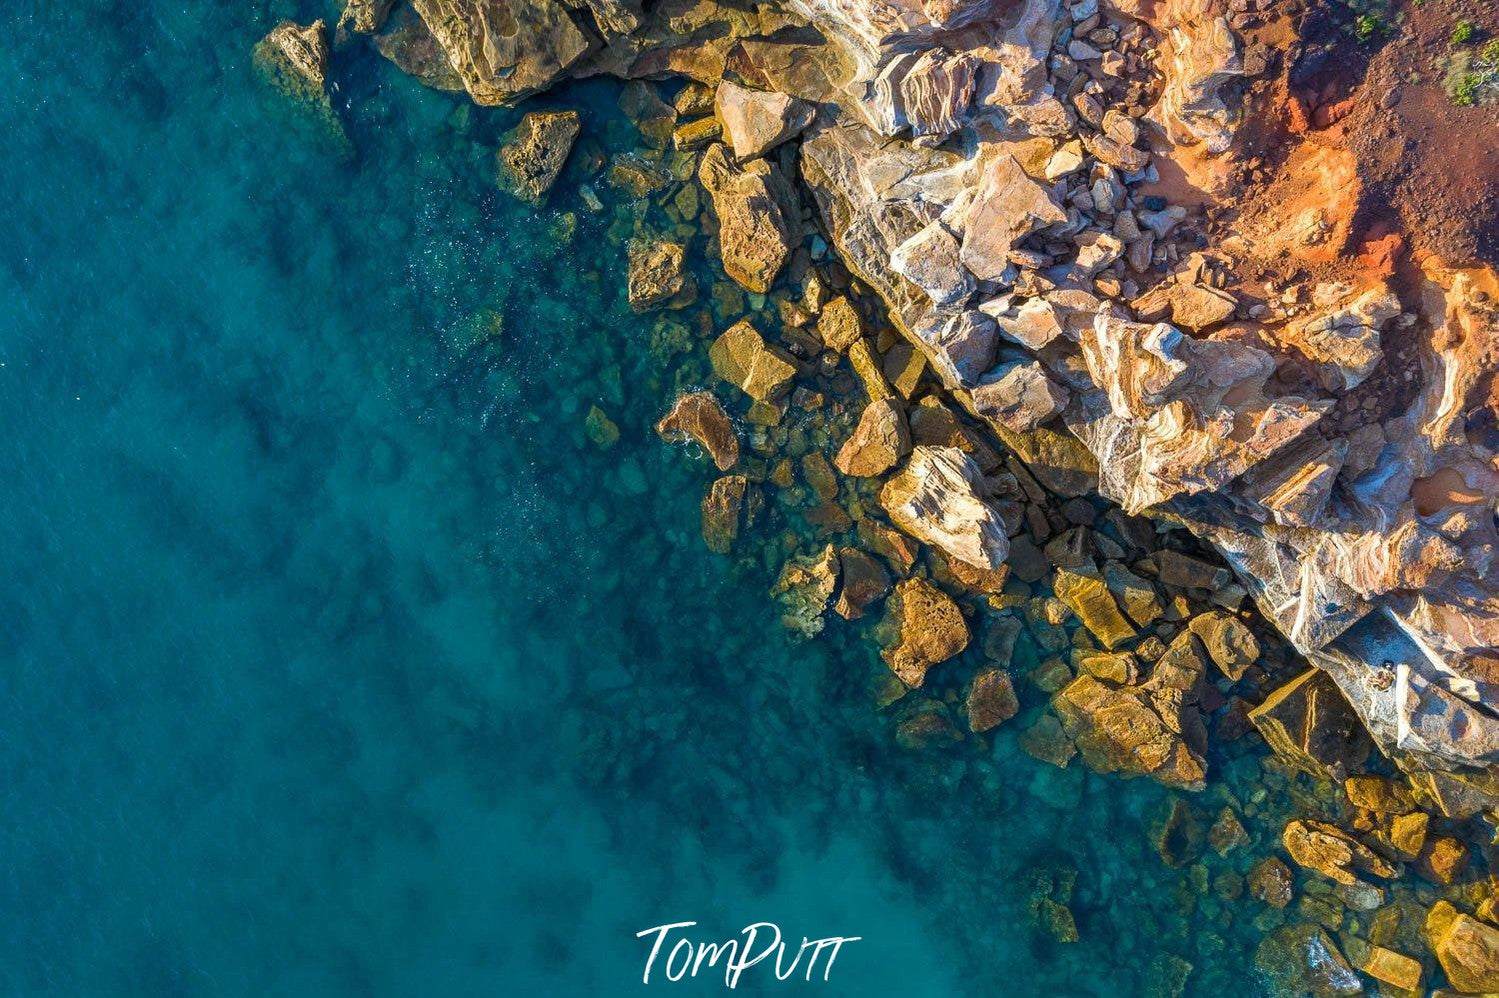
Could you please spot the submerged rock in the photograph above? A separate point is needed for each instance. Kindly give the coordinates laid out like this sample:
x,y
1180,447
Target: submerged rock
x,y
929,629
699,416
657,275
1303,959
1270,881
293,60
805,589
531,155
991,700
364,17
937,498
865,581
721,512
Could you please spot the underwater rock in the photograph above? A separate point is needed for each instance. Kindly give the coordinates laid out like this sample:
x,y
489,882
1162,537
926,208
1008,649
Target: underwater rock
x,y
1442,859
1270,881
924,723
928,626
805,588
699,416
602,430
721,512
1227,833
504,50
741,357
1303,959
865,581
937,498
758,218
879,441
991,700
1047,741
1124,729
1309,724
1179,837
531,155
898,550
1467,949
1332,852
657,275
756,121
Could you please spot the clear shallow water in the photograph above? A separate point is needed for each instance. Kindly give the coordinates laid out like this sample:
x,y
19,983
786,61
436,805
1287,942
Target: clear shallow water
x,y
339,661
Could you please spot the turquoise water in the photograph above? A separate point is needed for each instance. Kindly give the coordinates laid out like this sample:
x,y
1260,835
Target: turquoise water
x,y
339,661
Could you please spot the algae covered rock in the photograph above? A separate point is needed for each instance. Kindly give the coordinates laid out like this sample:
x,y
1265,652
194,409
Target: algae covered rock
x,y
700,417
721,512
293,60
1304,959
928,629
1270,881
805,589
532,155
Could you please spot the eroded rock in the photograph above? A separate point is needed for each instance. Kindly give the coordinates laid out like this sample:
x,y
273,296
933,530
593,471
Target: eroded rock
x,y
928,626
938,498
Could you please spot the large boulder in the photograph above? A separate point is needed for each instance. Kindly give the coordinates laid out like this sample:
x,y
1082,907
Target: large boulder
x,y
928,629
504,50
756,121
758,218
531,156
1308,723
294,59
879,441
1019,396
1467,949
741,357
1087,595
938,498
1007,206
721,512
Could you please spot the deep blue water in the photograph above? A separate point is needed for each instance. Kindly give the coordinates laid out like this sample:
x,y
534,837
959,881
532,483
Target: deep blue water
x,y
337,660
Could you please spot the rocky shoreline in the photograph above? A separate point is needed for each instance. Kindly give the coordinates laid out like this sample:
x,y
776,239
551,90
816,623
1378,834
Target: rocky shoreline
x,y
989,355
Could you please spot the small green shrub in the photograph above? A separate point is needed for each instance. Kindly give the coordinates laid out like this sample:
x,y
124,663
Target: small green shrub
x,y
1464,33
1465,90
1368,27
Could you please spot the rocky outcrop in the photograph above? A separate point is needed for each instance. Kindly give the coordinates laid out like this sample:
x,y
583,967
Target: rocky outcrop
x,y
531,156
938,498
